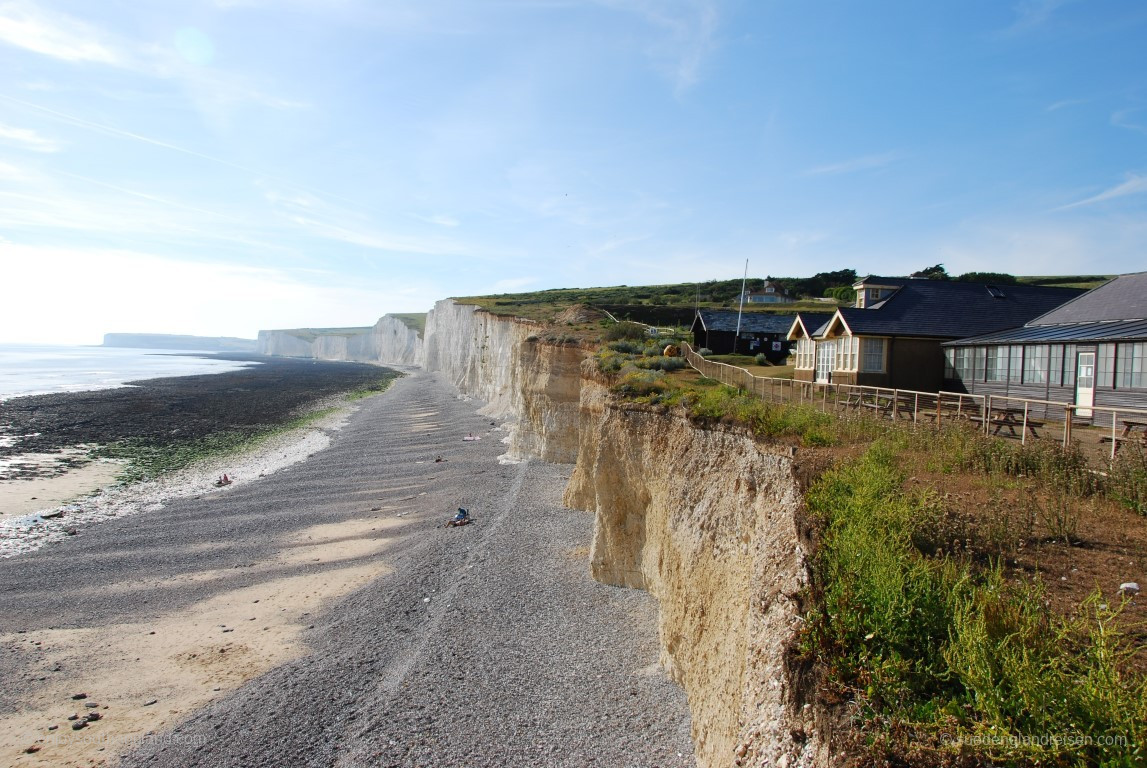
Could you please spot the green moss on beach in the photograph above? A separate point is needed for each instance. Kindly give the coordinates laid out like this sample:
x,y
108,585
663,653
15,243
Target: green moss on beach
x,y
148,458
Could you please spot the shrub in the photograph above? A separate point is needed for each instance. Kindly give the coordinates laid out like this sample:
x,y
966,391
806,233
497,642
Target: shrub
x,y
704,351
760,359
661,363
930,646
625,330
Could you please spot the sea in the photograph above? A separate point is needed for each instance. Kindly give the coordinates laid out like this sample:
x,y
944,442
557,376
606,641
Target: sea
x,y
34,369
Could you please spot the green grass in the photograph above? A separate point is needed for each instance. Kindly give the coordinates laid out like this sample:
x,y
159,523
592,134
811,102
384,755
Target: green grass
x,y
936,650
310,334
415,321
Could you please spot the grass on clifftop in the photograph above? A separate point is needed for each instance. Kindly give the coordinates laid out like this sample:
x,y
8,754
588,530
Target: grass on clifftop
x,y
945,660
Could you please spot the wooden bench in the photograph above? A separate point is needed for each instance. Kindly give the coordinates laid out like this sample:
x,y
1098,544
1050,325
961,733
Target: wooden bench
x,y
1119,440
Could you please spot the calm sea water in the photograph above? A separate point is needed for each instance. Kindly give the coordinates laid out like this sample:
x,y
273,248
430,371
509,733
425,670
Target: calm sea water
x,y
29,369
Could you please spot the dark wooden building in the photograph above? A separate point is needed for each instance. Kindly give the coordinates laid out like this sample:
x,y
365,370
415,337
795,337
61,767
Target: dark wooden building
x,y
1091,351
761,333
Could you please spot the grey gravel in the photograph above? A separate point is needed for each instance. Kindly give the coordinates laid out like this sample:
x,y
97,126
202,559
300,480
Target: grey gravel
x,y
518,658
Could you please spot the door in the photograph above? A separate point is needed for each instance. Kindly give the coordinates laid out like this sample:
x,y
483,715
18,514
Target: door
x,y
1085,384
825,361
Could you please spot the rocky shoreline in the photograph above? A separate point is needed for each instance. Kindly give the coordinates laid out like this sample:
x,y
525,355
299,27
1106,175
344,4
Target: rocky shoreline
x,y
44,432
176,408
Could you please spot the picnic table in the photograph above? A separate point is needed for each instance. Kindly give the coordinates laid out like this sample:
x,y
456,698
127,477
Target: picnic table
x,y
1127,435
1012,418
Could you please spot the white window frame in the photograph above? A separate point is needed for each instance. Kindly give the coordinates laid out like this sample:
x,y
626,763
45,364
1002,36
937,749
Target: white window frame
x,y
867,354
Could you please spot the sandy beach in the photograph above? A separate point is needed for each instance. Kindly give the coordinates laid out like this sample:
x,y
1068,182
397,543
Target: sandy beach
x,y
322,615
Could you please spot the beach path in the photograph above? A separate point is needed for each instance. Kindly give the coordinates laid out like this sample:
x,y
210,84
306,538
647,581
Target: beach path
x,y
324,616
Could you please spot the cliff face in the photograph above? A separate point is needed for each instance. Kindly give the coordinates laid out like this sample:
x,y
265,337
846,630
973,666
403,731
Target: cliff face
x,y
706,521
389,342
496,359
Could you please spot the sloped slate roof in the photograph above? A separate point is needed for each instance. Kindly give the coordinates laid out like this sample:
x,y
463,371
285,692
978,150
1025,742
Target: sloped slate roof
x,y
952,309
1124,298
751,322
1119,330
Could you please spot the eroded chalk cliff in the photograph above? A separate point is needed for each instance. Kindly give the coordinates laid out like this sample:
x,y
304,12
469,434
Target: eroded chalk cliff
x,y
707,521
532,383
390,341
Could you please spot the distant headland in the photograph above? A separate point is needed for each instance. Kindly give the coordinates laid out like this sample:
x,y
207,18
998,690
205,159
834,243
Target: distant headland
x,y
177,341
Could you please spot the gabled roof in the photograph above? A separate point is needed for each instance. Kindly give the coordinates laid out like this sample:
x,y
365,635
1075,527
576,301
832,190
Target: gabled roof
x,y
810,324
1124,298
751,322
950,309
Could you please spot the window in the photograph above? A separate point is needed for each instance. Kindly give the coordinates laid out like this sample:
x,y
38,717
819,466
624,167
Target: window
x,y
964,357
980,356
1070,362
873,360
806,349
1035,364
1055,365
1105,366
1015,363
950,363
1130,365
997,369
846,353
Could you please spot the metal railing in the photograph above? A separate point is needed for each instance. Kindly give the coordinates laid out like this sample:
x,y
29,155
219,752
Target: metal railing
x,y
993,413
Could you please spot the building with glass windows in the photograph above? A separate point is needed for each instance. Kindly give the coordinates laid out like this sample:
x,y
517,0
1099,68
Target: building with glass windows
x,y
892,337
1089,351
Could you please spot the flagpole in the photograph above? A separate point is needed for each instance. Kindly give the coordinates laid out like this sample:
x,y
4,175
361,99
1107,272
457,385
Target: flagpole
x,y
741,309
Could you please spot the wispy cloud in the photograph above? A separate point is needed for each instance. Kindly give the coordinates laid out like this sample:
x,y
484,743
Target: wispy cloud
x,y
1064,104
1124,118
689,28
54,34
26,138
865,163
1034,13
440,219
9,172
1134,185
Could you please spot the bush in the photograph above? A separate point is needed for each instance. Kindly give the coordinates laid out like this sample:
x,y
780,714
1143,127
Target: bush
x,y
936,653
661,363
625,330
704,351
628,347
760,359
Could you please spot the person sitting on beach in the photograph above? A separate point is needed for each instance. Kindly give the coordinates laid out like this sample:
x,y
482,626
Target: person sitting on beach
x,y
461,518
471,436
224,480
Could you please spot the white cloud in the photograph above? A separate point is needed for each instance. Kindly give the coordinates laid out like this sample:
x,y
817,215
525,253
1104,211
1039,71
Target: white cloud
x,y
1134,185
26,138
9,172
58,35
76,295
865,163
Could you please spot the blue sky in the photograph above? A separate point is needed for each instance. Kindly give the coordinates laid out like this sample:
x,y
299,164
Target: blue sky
x,y
220,166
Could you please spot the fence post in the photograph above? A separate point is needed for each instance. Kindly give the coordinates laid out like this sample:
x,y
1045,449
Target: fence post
x,y
1024,428
1114,413
915,408
895,403
1068,416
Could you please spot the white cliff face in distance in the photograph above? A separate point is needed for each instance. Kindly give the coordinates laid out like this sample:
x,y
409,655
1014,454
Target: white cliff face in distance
x,y
389,342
